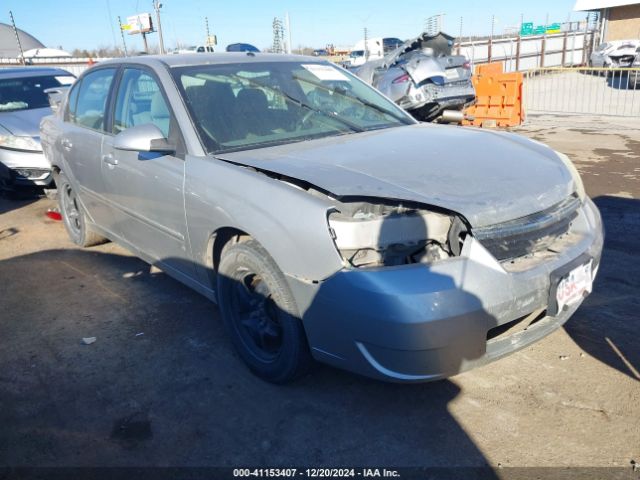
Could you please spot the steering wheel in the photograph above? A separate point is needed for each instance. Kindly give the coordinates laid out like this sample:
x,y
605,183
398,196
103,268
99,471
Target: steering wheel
x,y
305,119
354,112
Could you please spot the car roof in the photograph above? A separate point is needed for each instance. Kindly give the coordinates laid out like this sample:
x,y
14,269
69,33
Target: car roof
x,y
22,72
617,43
220,58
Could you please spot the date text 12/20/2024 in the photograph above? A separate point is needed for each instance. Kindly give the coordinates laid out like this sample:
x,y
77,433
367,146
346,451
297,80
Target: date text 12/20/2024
x,y
316,472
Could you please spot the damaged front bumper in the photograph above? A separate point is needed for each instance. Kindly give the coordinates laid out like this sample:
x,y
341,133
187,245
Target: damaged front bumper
x,y
419,322
24,169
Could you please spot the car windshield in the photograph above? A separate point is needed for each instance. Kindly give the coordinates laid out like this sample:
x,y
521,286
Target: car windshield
x,y
28,93
251,105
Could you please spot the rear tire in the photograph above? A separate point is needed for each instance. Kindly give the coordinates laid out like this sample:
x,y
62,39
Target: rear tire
x,y
73,215
260,313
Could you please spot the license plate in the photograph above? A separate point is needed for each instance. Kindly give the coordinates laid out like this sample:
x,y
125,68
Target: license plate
x,y
573,287
452,73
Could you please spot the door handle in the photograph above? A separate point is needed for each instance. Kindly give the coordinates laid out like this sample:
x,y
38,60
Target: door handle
x,y
66,144
109,160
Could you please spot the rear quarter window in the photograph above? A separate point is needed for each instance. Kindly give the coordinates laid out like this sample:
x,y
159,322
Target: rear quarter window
x,y
70,112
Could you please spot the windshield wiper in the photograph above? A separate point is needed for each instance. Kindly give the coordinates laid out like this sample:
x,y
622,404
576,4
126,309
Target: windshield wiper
x,y
300,103
326,113
378,108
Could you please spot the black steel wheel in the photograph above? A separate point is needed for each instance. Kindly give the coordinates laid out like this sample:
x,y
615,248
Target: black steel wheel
x,y
260,313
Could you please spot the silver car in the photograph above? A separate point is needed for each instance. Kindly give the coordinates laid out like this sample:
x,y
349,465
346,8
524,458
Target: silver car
x,y
23,104
615,54
325,222
423,77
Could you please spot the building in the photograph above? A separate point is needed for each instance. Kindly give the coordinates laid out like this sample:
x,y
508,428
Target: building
x,y
620,19
9,46
45,53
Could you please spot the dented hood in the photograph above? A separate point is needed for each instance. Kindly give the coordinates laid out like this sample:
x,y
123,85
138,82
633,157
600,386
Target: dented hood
x,y
24,123
488,177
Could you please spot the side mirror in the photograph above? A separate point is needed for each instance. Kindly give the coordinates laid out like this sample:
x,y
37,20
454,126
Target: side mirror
x,y
56,96
143,138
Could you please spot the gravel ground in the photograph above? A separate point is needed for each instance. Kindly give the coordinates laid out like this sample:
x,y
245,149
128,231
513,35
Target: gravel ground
x,y
162,386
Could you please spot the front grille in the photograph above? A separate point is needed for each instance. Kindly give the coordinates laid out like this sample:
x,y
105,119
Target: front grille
x,y
530,234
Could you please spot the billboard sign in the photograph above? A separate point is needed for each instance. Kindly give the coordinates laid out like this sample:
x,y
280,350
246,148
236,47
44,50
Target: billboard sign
x,y
140,23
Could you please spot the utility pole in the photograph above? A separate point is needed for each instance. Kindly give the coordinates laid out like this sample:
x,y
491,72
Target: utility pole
x,y
490,45
146,45
287,23
366,44
15,31
124,44
157,6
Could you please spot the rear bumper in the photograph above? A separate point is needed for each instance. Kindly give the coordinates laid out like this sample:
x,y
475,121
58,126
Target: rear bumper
x,y
425,322
447,95
19,168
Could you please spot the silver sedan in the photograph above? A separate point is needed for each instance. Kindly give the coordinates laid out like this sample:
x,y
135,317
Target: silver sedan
x,y
23,104
325,222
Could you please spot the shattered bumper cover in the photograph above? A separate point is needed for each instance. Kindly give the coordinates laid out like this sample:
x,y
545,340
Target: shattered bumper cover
x,y
425,322
447,95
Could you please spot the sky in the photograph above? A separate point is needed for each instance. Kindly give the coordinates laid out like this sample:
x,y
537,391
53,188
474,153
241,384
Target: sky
x,y
93,23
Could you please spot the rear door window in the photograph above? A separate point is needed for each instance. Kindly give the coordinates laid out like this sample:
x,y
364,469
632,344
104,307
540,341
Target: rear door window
x,y
91,105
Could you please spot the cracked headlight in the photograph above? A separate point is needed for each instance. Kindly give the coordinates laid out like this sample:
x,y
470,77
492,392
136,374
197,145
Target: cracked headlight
x,y
370,235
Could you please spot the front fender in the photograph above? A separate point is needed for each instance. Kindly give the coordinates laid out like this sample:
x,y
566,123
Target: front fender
x,y
288,222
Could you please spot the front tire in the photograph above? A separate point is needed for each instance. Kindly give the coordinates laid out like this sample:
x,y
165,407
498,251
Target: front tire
x,y
73,215
260,313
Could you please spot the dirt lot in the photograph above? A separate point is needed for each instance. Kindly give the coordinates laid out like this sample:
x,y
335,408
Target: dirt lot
x,y
162,386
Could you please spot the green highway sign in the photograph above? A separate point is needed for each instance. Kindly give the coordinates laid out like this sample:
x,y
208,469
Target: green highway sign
x,y
553,28
526,29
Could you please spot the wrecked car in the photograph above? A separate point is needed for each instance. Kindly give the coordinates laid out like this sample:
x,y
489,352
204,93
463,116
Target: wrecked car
x,y
324,220
633,81
423,77
615,54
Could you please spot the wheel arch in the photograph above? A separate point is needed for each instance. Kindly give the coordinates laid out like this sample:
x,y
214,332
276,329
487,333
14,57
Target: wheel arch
x,y
218,240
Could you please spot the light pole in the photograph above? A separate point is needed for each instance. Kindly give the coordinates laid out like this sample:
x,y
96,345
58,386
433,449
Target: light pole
x,y
157,6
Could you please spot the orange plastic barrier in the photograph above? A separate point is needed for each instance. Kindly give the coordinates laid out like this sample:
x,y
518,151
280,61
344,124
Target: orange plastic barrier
x,y
498,97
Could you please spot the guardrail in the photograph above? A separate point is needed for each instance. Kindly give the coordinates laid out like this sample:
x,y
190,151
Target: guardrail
x,y
582,90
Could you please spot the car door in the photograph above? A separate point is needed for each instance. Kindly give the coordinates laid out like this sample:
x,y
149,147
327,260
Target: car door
x,y
145,189
81,141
